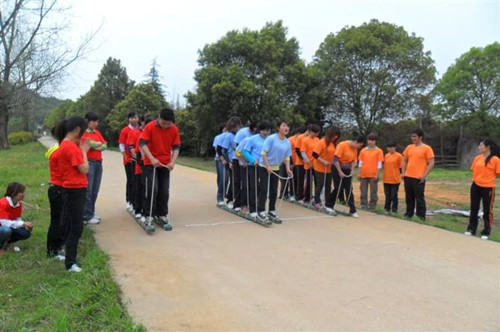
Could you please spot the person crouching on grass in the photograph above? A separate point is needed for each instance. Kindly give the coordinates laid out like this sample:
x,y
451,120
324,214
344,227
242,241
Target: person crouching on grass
x,y
370,162
485,168
73,165
12,227
160,143
94,157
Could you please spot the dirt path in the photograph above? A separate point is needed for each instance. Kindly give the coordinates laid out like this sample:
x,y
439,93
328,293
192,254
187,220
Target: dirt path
x,y
217,272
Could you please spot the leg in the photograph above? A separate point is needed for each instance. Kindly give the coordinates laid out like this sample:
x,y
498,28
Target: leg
x,y
220,184
128,173
262,187
350,193
89,212
252,177
410,197
74,219
138,190
163,180
150,199
332,197
420,198
244,184
229,190
299,192
319,179
97,185
273,191
236,183
55,238
363,188
475,199
388,197
488,196
373,194
19,234
5,234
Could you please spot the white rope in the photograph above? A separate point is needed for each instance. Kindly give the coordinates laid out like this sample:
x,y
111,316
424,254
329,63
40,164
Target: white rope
x,y
340,187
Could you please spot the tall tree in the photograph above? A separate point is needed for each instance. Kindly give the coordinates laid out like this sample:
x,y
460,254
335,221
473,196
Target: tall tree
x,y
472,84
154,79
371,73
252,74
33,54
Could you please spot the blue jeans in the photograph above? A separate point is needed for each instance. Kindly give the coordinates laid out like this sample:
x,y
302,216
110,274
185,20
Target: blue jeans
x,y
5,233
94,177
220,180
19,234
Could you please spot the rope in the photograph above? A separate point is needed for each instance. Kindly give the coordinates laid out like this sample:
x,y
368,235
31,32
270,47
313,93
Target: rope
x,y
339,188
248,189
152,193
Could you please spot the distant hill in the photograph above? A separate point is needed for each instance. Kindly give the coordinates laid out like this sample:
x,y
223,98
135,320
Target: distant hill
x,y
28,120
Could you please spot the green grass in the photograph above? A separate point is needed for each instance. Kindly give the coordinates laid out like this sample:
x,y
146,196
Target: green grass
x,y
198,163
450,175
37,294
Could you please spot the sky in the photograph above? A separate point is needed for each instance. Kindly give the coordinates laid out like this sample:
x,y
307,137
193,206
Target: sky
x,y
172,32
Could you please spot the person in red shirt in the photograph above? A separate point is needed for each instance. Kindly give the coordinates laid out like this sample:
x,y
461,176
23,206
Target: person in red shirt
x,y
485,168
73,166
94,157
160,143
12,227
133,120
370,162
393,162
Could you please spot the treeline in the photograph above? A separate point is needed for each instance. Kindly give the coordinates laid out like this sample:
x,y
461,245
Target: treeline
x,y
372,77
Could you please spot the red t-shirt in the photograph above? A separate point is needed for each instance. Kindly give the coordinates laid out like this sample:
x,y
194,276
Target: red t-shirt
x,y
8,212
160,141
138,169
71,156
123,140
55,175
96,137
132,137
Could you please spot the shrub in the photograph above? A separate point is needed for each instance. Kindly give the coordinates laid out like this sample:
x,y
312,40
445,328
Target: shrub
x,y
21,137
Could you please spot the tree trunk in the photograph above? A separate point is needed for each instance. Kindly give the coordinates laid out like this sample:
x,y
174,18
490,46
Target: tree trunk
x,y
4,122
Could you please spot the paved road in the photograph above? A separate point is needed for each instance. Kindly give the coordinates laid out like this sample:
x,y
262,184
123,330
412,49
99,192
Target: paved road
x,y
218,272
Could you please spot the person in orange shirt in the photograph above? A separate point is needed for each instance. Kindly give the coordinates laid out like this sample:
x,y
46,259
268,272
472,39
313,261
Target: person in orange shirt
x,y
306,150
392,177
370,163
299,165
344,161
323,154
418,161
485,168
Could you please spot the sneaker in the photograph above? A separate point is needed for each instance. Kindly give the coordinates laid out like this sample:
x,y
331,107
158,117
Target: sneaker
x,y
143,220
254,215
387,212
237,209
230,205
484,237
220,203
262,216
292,198
138,216
468,233
273,214
317,206
74,268
129,205
354,215
164,219
92,221
58,258
300,201
97,217
329,209
16,249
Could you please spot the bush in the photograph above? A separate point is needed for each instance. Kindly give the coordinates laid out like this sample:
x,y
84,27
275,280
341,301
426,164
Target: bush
x,y
21,137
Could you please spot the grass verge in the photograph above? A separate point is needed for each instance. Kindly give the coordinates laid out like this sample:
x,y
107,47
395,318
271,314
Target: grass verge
x,y
37,294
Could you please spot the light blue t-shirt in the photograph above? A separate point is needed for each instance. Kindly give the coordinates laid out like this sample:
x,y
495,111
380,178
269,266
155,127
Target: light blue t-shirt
x,y
229,145
241,147
277,150
254,147
242,134
217,142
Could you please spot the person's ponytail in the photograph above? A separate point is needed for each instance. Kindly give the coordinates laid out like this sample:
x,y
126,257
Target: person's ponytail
x,y
68,125
494,149
60,131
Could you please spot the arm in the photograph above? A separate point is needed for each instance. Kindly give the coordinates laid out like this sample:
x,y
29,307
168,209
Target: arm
x,y
143,144
297,151
84,167
430,166
266,162
337,166
175,155
304,157
287,166
249,158
379,167
12,223
403,165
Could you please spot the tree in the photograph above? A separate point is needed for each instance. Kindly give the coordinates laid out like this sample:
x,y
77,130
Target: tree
x,y
143,99
57,114
472,84
33,54
251,74
372,73
154,79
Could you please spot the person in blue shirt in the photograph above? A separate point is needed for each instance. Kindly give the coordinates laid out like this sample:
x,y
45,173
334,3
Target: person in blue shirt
x,y
226,150
252,152
238,171
221,175
275,151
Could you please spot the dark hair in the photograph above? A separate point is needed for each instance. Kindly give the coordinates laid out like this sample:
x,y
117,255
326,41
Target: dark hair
x,y
330,133
301,130
279,122
68,125
91,116
264,125
167,114
14,188
149,118
232,123
222,125
358,138
419,132
53,131
372,137
494,150
314,128
132,114
391,145
253,125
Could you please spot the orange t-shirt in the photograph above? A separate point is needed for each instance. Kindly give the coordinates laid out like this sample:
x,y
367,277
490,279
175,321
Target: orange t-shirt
x,y
292,143
324,152
392,168
485,175
307,147
370,159
345,153
298,144
417,158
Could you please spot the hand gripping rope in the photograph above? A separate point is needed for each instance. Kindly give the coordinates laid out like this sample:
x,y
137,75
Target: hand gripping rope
x,y
340,187
269,186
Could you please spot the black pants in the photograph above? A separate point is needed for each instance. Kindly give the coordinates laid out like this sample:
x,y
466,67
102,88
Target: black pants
x,y
229,190
161,190
284,184
55,234
391,197
244,191
299,182
322,179
347,184
309,178
487,196
73,206
253,187
129,172
138,197
414,192
273,190
236,184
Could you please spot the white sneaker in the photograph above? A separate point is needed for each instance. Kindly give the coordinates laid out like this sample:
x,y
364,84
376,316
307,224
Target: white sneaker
x,y
16,249
262,215
329,209
354,215
143,220
300,201
230,205
468,233
237,209
484,237
253,214
75,268
59,258
93,221
292,198
164,219
128,205
97,217
220,203
138,216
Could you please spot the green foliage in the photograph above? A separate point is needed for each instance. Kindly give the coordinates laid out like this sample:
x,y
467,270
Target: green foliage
x,y
38,294
57,114
252,74
472,84
21,137
27,116
143,98
372,73
188,131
